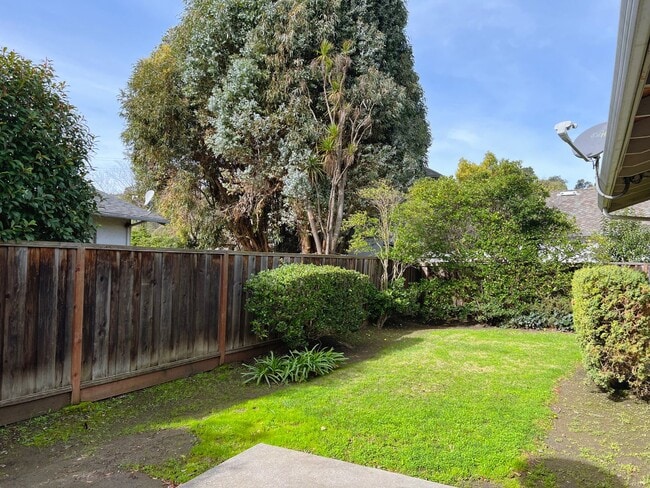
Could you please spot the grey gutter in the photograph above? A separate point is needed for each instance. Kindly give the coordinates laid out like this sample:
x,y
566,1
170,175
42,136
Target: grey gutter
x,y
630,74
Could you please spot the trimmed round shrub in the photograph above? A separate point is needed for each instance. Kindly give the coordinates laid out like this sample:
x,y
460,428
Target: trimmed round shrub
x,y
611,313
304,302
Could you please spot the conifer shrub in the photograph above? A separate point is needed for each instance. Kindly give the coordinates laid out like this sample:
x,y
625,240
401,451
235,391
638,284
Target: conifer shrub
x,y
303,302
611,310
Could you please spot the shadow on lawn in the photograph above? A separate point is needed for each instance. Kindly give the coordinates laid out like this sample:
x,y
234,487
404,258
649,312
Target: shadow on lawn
x,y
189,398
565,472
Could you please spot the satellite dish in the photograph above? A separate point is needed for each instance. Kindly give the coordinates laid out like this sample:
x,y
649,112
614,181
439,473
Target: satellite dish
x,y
147,197
591,142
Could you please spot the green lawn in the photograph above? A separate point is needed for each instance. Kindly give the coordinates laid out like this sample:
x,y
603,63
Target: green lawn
x,y
448,405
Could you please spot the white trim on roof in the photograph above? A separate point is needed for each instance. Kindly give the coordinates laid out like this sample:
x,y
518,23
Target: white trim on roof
x,y
630,74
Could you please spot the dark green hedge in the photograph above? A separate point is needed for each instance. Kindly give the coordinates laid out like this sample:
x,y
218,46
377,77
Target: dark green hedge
x,y
303,302
611,309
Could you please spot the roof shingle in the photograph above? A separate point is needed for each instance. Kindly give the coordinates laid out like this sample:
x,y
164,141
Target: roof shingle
x,y
583,205
114,207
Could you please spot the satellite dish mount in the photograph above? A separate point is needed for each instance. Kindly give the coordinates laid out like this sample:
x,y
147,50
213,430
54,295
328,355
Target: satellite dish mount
x,y
589,146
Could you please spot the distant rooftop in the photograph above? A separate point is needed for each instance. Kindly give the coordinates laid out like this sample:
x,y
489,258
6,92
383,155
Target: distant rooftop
x,y
429,173
583,205
114,207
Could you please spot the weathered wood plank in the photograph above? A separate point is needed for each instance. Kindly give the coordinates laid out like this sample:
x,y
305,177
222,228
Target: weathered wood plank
x,y
245,336
146,319
4,271
30,323
75,352
156,327
215,302
198,344
166,342
102,298
12,360
183,278
66,317
125,325
113,323
234,308
90,306
224,300
48,272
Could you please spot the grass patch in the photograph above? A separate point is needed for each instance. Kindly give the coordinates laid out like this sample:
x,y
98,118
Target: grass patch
x,y
448,405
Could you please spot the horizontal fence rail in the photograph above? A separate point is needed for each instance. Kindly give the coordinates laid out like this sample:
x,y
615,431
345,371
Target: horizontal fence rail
x,y
85,322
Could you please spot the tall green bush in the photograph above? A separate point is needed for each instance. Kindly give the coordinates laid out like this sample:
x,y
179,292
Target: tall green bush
x,y
303,302
44,148
611,307
495,247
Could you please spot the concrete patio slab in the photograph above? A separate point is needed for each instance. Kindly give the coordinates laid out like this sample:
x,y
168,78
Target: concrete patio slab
x,y
264,466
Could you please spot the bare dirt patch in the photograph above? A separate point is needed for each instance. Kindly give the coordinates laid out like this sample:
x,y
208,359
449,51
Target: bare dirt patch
x,y
596,441
65,465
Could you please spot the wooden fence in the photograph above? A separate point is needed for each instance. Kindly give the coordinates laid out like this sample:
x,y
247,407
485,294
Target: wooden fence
x,y
85,322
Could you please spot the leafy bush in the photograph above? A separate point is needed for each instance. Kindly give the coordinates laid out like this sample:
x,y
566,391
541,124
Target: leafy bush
x,y
297,366
498,293
303,302
551,313
141,236
397,299
44,147
612,318
496,248
541,320
445,298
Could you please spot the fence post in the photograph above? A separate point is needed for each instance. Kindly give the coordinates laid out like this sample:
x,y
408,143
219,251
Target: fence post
x,y
223,308
77,324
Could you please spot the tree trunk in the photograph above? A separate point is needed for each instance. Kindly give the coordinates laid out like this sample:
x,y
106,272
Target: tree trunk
x,y
314,231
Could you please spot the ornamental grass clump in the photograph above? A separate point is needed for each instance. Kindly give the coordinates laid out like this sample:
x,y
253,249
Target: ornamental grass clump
x,y
295,367
299,303
611,309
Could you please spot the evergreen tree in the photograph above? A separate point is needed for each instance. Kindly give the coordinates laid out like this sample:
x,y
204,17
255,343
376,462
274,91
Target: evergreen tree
x,y
250,115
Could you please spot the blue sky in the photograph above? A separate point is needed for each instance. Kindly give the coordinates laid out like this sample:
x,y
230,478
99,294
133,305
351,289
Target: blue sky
x,y
497,74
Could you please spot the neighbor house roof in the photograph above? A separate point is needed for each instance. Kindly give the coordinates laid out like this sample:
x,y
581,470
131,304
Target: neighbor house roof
x,y
114,207
627,145
583,206
429,173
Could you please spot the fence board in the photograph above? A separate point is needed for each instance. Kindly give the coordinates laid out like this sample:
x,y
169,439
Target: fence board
x,y
29,332
101,322
48,273
90,296
4,272
65,315
165,344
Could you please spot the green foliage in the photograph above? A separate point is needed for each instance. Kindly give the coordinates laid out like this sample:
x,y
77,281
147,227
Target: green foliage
x,y
396,299
482,394
554,184
295,367
494,247
446,296
303,302
582,184
232,102
612,318
44,146
378,228
623,241
554,312
141,236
